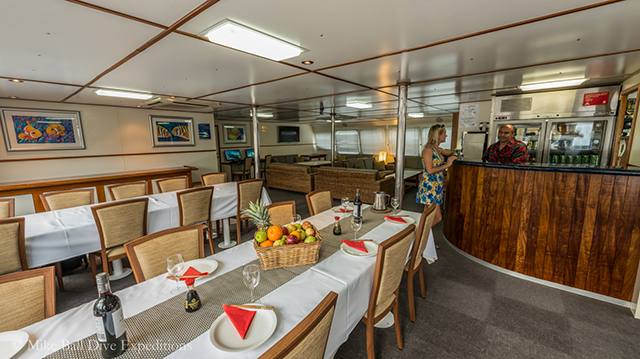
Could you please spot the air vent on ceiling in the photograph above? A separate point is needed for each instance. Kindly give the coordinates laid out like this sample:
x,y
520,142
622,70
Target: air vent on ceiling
x,y
516,104
164,103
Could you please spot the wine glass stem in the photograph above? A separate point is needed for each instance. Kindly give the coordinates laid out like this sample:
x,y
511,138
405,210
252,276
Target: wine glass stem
x,y
252,299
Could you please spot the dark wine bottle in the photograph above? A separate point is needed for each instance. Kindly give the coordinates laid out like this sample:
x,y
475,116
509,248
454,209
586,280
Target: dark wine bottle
x,y
357,206
192,302
107,313
337,230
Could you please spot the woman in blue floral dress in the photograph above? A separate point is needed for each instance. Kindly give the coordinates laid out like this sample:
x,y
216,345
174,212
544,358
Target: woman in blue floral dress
x,y
433,164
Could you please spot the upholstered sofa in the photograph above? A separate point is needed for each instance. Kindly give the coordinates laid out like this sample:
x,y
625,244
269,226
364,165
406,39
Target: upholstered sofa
x,y
368,163
343,182
290,177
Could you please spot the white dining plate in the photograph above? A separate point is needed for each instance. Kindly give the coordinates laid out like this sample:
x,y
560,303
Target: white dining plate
x,y
409,220
371,247
12,344
337,209
224,336
201,265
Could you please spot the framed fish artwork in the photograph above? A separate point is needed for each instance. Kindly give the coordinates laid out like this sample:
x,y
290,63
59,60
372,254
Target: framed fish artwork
x,y
172,131
36,130
234,133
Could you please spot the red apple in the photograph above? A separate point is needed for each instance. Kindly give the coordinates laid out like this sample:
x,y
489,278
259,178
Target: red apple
x,y
285,231
291,239
306,224
310,232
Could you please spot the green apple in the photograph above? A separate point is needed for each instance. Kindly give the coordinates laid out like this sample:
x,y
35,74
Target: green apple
x,y
309,239
280,242
302,234
260,236
298,225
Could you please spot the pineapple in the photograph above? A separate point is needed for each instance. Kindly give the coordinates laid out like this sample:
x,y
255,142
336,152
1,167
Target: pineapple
x,y
259,215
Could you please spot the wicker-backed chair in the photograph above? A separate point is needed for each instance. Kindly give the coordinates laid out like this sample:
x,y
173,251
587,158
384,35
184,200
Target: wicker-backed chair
x,y
246,169
213,178
415,262
194,206
7,207
267,162
392,256
14,255
128,190
148,254
26,298
172,184
118,223
248,191
319,201
281,212
308,339
54,201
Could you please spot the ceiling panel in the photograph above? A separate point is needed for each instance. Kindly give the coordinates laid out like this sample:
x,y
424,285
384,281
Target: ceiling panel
x,y
60,42
167,14
186,67
88,96
336,31
35,90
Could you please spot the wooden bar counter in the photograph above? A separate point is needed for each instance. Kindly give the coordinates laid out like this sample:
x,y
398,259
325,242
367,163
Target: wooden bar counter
x,y
570,225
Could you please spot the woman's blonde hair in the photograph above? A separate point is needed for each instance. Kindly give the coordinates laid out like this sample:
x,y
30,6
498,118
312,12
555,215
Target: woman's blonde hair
x,y
434,132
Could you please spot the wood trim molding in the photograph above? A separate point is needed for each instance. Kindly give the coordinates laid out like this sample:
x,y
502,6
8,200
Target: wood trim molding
x,y
99,156
454,130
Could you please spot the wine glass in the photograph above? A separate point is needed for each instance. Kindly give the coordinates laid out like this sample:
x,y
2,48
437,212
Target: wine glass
x,y
296,218
356,224
175,265
345,203
395,202
251,278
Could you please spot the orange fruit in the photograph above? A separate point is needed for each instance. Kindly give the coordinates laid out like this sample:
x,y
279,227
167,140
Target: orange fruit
x,y
274,233
266,243
295,233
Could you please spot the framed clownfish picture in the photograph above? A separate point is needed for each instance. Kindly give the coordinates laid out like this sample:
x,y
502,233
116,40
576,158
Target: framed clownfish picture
x,y
172,131
34,130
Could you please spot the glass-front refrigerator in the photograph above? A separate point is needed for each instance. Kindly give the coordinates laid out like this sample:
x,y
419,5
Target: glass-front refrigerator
x,y
529,132
577,143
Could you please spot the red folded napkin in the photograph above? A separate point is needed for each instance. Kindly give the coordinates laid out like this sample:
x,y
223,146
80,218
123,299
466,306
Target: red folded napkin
x,y
191,271
345,210
359,245
395,219
240,318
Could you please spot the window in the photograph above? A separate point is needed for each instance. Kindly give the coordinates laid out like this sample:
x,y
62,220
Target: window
x,y
323,140
348,142
412,145
445,145
373,141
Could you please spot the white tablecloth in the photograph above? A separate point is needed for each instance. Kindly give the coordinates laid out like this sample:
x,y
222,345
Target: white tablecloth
x,y
58,235
292,301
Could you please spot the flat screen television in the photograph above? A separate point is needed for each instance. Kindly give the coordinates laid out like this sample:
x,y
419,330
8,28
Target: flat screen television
x,y
250,153
232,155
288,134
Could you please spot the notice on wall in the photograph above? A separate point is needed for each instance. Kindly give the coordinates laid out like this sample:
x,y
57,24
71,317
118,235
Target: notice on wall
x,y
595,98
469,114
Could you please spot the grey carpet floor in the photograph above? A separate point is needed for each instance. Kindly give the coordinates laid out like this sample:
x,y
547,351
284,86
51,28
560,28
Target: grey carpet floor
x,y
471,311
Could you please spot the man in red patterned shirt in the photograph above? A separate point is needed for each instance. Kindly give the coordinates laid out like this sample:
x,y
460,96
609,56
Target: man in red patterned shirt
x,y
507,150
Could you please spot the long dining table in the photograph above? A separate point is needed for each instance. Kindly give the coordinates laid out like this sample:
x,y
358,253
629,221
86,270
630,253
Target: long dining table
x,y
351,277
54,236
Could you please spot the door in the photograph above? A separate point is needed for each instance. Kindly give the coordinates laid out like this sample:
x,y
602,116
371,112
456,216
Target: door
x,y
579,142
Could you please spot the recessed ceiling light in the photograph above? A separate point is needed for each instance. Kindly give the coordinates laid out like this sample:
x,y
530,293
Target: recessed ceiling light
x,y
16,81
124,94
307,62
244,38
358,104
416,115
13,97
552,84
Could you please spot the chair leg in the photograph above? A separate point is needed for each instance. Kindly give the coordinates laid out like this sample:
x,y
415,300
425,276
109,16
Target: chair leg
x,y
396,320
239,229
213,250
412,305
58,266
422,287
218,228
247,222
92,264
371,354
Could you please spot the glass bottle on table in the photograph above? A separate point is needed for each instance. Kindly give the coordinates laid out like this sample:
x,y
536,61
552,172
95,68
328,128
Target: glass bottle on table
x,y
192,302
109,320
357,206
337,229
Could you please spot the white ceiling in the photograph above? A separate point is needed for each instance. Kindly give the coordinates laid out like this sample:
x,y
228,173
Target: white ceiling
x,y
450,51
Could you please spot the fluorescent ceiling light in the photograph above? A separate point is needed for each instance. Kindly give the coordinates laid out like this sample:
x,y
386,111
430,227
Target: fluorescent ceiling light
x,y
416,115
552,84
267,115
358,104
244,38
113,93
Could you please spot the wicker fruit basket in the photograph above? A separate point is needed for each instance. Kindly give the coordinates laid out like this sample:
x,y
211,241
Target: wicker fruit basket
x,y
290,255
